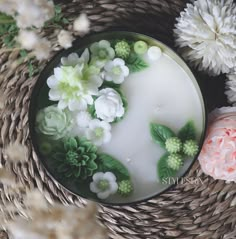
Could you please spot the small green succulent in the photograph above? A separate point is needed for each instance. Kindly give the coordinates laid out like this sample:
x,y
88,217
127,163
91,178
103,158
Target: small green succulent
x,y
122,49
125,188
76,159
190,148
173,145
175,161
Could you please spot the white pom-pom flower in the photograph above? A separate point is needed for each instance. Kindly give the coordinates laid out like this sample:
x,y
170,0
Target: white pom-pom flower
x,y
116,71
206,35
98,132
231,88
104,184
28,39
81,24
109,105
65,39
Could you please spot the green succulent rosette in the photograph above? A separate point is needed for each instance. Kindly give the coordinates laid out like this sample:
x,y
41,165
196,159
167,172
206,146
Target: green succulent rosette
x,y
76,159
54,122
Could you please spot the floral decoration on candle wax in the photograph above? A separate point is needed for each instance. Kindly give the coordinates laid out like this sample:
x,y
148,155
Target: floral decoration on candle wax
x,y
84,101
218,155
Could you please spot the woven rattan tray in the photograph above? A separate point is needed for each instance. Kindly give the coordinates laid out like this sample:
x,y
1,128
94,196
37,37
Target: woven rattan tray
x,y
201,210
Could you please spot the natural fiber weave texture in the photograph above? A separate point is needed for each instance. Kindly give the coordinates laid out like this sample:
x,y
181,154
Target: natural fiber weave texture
x,y
203,210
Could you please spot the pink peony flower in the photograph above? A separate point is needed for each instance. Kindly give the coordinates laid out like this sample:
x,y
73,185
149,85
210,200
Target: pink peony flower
x,y
218,155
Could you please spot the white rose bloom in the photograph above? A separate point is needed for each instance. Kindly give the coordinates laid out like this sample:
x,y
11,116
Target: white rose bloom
x,y
104,184
116,71
109,105
65,39
98,132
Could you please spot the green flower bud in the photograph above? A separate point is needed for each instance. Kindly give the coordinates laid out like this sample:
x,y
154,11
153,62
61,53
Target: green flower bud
x,y
140,47
122,49
173,145
175,161
190,148
125,188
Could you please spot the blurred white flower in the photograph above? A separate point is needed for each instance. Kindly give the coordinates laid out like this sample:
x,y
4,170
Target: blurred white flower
x,y
65,39
109,105
16,152
104,184
42,49
81,24
116,71
33,13
231,88
98,132
28,39
8,6
154,53
73,59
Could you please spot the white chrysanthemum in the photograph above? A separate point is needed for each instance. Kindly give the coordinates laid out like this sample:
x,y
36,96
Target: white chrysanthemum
x,y
65,39
231,88
81,24
28,39
74,86
206,35
98,132
104,184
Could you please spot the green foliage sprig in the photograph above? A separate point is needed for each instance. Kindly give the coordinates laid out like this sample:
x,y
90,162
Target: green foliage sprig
x,y
177,147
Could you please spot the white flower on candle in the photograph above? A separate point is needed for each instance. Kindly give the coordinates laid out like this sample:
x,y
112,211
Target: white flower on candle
x,y
116,71
109,105
65,39
82,24
154,53
98,132
104,184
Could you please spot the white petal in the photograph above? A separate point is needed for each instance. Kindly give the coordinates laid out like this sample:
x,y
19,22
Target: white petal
x,y
113,187
109,176
125,70
77,105
107,137
85,56
93,187
118,62
62,104
103,195
52,81
98,176
54,95
57,73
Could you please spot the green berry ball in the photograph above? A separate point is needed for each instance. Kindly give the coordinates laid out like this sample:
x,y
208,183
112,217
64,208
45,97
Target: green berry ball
x,y
122,49
140,47
190,148
175,161
125,188
173,145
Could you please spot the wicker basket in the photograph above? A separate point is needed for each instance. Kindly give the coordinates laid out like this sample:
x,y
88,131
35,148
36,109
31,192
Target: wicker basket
x,y
202,210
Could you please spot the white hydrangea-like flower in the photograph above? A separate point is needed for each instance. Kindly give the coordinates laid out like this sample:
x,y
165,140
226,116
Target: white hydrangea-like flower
x,y
231,88
73,59
65,39
33,13
104,184
81,24
109,105
28,39
98,132
74,86
116,71
206,35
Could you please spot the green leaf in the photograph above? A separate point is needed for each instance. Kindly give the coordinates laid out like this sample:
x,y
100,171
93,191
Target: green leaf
x,y
160,133
107,163
164,172
70,144
188,131
135,63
